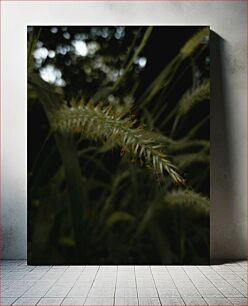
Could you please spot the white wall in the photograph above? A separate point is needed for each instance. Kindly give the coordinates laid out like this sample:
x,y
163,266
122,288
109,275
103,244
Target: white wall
x,y
228,105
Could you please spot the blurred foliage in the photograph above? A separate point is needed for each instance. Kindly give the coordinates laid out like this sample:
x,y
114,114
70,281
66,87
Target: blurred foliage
x,y
89,203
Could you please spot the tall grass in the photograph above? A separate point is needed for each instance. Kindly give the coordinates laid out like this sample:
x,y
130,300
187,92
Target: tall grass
x,y
120,212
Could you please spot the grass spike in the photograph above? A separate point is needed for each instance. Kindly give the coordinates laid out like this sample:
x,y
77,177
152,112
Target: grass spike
x,y
193,43
99,123
193,97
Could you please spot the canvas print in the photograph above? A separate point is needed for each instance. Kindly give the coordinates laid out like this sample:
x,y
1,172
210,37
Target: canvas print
x,y
118,145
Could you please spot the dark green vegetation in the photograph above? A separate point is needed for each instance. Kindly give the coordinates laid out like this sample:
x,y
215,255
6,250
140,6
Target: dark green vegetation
x,y
118,145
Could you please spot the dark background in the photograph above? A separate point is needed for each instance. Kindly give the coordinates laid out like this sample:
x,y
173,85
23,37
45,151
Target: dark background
x,y
49,234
